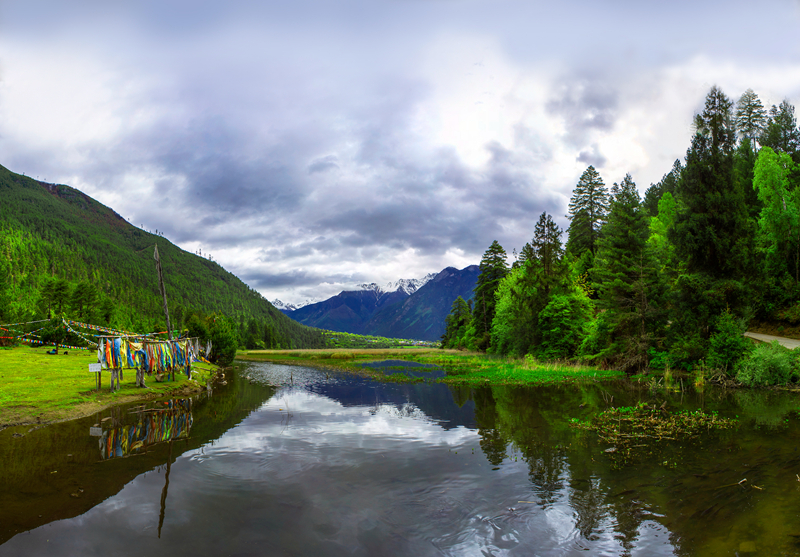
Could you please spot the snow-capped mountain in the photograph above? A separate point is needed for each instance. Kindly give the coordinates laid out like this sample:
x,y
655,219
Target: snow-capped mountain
x,y
409,286
291,307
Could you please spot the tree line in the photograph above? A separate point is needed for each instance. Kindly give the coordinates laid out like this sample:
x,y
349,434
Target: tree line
x,y
670,279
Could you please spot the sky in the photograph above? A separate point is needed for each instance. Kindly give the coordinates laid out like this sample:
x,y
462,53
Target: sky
x,y
311,146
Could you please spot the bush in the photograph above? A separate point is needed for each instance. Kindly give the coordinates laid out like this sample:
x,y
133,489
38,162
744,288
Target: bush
x,y
768,364
728,345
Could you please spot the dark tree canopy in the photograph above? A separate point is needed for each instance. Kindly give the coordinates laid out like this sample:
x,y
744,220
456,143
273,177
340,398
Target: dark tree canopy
x,y
493,268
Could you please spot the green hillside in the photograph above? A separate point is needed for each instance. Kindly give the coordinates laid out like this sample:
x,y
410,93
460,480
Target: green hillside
x,y
52,232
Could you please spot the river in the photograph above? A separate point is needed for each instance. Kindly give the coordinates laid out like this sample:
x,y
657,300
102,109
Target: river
x,y
287,460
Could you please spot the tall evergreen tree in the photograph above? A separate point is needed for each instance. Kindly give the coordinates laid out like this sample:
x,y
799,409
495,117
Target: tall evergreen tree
x,y
546,245
751,117
626,280
713,221
493,268
587,211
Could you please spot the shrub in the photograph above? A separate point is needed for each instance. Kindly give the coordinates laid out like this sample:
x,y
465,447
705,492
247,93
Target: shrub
x,y
728,344
767,364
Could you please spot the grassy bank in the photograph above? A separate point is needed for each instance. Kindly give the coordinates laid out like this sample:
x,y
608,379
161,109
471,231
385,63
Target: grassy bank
x,y
38,387
463,368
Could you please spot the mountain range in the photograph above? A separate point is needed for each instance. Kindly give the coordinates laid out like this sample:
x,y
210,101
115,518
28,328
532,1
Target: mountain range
x,y
408,308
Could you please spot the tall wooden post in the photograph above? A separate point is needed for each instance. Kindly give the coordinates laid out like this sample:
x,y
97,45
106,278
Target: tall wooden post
x,y
163,295
163,290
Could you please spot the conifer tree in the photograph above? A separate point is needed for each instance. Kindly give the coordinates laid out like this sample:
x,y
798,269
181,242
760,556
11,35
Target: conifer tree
x,y
626,279
493,268
751,117
546,244
780,132
587,210
456,323
712,224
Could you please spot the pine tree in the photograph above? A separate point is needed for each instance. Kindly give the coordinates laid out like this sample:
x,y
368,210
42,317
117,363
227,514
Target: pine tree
x,y
546,245
751,117
712,224
626,279
493,268
456,323
587,210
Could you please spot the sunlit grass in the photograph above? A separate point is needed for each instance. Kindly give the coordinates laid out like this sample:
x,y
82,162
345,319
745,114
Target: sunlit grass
x,y
38,386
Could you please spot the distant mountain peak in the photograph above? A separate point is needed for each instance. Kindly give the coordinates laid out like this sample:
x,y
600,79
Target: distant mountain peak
x,y
409,286
285,307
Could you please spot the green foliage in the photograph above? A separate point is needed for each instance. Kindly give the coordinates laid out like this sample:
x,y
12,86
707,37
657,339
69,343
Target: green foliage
x,y
779,222
224,340
767,364
728,344
563,324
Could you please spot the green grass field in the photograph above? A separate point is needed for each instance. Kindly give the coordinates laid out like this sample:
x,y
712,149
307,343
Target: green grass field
x,y
35,386
463,368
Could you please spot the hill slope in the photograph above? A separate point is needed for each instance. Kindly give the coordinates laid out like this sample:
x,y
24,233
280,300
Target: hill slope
x,y
55,230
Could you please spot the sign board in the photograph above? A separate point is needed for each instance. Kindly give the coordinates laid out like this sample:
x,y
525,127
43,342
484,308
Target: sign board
x,y
96,431
94,368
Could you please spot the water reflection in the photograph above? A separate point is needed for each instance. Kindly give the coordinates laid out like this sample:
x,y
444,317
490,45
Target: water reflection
x,y
154,425
322,464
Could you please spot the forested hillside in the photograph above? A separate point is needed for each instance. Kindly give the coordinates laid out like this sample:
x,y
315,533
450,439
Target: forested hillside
x,y
62,251
668,280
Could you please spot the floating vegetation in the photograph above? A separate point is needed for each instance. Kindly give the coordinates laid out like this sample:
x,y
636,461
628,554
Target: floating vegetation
x,y
637,431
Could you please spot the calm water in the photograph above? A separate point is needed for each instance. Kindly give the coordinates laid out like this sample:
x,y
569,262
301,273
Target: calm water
x,y
293,461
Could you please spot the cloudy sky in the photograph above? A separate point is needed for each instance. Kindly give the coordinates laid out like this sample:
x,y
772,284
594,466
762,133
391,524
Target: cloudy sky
x,y
312,145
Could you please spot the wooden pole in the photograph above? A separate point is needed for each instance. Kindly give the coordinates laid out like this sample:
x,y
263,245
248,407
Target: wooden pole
x,y
163,295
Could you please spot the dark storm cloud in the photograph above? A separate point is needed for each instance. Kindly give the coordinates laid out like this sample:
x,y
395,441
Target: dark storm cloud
x,y
586,104
591,156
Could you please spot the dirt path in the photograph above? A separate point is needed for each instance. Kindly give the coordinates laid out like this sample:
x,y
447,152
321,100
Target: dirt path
x,y
789,343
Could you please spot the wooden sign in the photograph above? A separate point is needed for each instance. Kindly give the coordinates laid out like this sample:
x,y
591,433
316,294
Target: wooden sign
x,y
96,431
94,368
